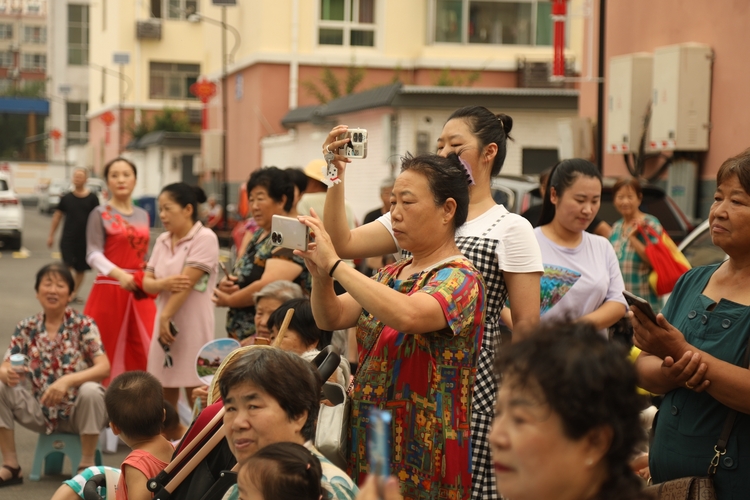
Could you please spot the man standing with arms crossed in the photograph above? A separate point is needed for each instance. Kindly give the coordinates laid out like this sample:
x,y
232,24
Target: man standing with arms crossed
x,y
76,207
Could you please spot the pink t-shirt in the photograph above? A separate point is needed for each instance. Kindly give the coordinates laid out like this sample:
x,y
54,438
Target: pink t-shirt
x,y
145,462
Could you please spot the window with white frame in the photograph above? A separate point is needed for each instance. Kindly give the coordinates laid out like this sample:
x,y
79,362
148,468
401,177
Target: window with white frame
x,y
496,22
35,34
181,9
6,31
78,35
347,23
6,59
34,61
78,125
172,80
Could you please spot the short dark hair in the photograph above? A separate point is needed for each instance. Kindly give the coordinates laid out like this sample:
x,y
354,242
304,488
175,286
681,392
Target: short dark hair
x,y
171,417
589,382
112,162
135,404
631,182
277,183
293,382
738,165
55,268
298,178
184,194
488,127
446,178
302,322
563,175
285,471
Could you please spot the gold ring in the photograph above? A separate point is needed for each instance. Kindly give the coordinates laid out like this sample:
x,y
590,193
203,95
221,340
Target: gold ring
x,y
691,387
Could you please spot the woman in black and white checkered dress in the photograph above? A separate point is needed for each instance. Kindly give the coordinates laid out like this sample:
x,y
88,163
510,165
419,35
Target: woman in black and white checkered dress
x,y
501,245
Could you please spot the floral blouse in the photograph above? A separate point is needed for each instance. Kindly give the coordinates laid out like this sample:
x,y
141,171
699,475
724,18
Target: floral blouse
x,y
72,350
248,269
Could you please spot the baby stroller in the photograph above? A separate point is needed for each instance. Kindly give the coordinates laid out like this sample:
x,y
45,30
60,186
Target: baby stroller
x,y
204,467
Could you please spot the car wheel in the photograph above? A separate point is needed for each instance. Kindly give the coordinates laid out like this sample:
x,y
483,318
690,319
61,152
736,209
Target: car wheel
x,y
15,243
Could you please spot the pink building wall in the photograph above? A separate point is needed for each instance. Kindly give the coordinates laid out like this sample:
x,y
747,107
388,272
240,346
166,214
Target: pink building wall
x,y
643,25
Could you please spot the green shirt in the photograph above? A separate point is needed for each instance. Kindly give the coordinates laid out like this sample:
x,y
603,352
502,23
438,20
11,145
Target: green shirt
x,y
689,423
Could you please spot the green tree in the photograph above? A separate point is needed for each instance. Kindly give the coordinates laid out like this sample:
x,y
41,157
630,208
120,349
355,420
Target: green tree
x,y
168,120
329,86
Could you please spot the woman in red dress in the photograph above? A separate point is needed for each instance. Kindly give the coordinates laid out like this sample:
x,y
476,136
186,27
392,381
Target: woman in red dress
x,y
117,237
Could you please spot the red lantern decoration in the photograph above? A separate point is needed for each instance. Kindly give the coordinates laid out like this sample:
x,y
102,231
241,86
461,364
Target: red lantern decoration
x,y
56,135
559,11
203,90
108,118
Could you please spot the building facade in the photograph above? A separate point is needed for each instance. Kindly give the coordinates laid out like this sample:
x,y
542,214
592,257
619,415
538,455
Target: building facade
x,y
23,44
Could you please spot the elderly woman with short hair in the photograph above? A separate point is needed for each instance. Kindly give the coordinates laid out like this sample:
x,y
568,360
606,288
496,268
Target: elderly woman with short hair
x,y
419,327
695,353
66,362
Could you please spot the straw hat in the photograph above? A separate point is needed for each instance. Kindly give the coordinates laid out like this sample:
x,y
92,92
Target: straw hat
x,y
314,169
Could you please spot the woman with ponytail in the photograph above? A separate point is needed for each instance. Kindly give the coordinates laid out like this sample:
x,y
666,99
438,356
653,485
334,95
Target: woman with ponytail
x,y
582,279
501,245
182,271
270,192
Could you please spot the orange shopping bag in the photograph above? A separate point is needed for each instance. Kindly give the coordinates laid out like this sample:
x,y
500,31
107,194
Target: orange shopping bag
x,y
667,262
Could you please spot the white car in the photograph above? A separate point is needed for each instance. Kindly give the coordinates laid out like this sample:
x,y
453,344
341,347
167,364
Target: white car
x,y
51,194
11,215
698,248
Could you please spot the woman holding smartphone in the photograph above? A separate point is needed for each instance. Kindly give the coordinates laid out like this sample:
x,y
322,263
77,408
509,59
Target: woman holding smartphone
x,y
182,270
501,245
270,192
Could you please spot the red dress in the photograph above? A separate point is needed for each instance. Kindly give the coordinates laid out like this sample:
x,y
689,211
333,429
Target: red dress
x,y
125,323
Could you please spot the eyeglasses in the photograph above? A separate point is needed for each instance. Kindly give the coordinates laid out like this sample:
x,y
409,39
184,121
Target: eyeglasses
x,y
167,356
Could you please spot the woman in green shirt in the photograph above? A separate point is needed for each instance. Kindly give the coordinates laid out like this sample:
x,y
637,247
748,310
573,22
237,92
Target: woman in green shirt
x,y
694,354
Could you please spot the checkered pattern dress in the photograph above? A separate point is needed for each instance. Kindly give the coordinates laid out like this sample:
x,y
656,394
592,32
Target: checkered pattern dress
x,y
635,271
481,251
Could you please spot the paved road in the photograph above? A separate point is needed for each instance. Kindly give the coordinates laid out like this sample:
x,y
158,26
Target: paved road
x,y
17,301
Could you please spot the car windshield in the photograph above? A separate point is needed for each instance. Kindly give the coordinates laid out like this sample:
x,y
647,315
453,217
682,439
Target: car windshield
x,y
702,252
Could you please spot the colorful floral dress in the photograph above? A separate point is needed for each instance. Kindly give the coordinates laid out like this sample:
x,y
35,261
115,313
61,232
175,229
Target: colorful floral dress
x,y
425,381
73,349
248,269
635,271
126,323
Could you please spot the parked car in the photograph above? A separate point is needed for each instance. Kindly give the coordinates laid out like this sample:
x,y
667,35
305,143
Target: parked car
x,y
99,188
50,196
522,192
11,215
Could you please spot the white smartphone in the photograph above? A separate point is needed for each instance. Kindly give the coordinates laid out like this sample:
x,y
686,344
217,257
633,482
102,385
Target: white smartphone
x,y
356,148
288,232
641,304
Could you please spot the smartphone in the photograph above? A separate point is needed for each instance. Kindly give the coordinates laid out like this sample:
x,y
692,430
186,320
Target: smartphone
x,y
641,304
173,329
224,268
378,449
288,232
356,148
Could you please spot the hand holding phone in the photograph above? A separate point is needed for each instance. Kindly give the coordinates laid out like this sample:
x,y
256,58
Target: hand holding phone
x,y
224,268
641,304
288,232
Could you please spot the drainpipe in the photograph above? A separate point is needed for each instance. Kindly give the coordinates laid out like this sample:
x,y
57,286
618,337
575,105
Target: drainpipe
x,y
599,146
294,61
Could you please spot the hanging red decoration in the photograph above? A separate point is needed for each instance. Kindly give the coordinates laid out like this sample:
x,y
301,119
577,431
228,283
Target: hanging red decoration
x,y
56,135
559,11
108,118
203,90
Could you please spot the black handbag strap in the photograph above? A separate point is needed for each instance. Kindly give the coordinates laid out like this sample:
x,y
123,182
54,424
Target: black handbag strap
x,y
721,445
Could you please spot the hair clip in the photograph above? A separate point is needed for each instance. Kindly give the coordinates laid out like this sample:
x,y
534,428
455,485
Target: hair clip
x,y
308,466
467,169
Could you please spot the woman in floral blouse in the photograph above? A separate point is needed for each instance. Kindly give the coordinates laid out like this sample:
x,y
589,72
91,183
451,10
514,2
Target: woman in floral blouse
x,y
59,386
419,327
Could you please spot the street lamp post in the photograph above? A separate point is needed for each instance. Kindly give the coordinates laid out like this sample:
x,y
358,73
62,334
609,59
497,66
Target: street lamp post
x,y
224,104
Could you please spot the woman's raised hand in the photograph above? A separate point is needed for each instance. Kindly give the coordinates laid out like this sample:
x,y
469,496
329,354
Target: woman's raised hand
x,y
332,145
176,283
320,255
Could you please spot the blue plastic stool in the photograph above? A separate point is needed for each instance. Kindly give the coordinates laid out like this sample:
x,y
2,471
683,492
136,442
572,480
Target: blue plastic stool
x,y
51,449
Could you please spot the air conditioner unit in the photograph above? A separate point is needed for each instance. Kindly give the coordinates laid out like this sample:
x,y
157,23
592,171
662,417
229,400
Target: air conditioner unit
x,y
212,150
148,30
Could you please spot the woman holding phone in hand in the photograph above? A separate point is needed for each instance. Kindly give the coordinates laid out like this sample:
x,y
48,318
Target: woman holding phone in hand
x,y
182,270
501,245
419,326
695,353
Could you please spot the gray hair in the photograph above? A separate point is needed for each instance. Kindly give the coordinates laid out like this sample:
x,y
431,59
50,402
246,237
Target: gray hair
x,y
280,290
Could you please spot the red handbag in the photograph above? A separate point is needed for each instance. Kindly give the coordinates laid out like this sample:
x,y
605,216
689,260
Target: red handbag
x,y
667,262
